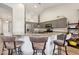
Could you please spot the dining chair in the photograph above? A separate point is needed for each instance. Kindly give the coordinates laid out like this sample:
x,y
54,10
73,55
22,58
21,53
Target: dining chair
x,y
38,43
10,44
60,42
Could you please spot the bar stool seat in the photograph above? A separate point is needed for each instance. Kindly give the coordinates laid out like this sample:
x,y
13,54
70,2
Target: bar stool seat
x,y
59,42
11,44
38,46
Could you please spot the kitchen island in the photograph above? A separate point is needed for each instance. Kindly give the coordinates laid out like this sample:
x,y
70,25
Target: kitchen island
x,y
27,46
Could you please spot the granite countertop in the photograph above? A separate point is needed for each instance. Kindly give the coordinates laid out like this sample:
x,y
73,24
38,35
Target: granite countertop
x,y
42,34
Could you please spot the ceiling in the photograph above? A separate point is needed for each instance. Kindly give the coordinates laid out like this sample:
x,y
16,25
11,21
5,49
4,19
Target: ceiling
x,y
38,8
34,9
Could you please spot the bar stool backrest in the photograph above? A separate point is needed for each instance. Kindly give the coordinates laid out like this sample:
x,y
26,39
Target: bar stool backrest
x,y
8,38
8,41
61,37
38,39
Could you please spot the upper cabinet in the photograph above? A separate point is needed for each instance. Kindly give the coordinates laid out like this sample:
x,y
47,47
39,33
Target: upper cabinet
x,y
73,27
58,23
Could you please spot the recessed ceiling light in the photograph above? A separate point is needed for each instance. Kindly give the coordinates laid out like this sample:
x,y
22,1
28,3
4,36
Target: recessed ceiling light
x,y
21,5
35,6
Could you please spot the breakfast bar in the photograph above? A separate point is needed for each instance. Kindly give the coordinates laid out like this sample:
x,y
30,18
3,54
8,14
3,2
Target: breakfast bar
x,y
27,46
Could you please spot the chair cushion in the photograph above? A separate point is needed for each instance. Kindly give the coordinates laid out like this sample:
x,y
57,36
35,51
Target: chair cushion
x,y
59,42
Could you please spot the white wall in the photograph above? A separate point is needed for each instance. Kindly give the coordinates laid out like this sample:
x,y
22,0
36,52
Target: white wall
x,y
67,10
5,14
1,26
5,27
18,19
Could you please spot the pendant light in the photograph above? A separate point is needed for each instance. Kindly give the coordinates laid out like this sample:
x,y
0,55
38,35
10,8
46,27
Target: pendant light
x,y
38,25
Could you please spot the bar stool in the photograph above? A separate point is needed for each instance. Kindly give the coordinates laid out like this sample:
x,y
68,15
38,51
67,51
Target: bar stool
x,y
60,42
18,44
10,44
38,43
18,47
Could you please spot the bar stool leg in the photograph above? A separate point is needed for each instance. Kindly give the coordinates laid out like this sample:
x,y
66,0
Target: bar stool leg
x,y
16,50
36,52
43,53
11,51
33,52
20,51
2,50
66,50
8,51
59,50
54,49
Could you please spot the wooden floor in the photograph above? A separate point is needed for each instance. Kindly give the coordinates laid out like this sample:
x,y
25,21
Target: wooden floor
x,y
71,51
